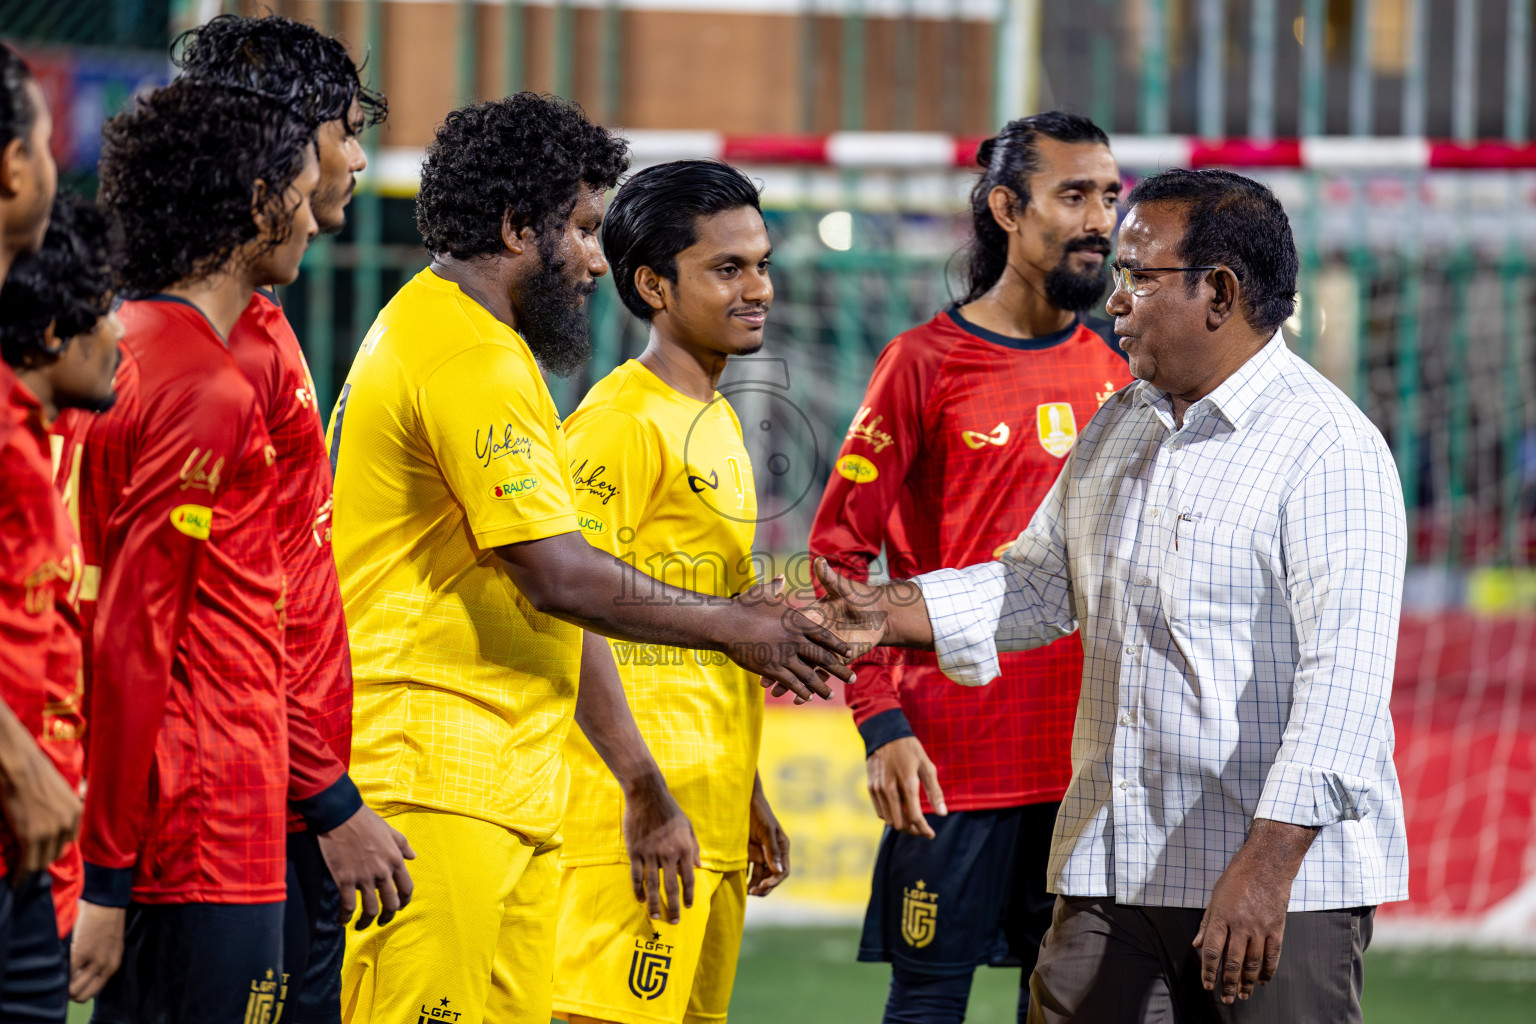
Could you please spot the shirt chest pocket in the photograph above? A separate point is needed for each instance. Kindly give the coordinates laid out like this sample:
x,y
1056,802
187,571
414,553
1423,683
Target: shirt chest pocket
x,y
1212,573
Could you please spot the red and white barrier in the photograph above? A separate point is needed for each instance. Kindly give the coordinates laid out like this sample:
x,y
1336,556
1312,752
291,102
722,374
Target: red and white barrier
x,y
933,151
398,168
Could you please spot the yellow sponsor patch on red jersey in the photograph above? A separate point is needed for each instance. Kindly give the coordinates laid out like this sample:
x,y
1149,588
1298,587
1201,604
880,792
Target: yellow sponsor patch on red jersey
x,y
857,468
196,521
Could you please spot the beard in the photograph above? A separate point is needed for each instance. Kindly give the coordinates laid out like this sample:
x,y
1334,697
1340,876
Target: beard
x,y
1066,288
549,317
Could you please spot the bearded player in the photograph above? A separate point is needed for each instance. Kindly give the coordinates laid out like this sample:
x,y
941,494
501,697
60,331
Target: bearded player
x,y
337,846
468,584
663,481
185,812
963,429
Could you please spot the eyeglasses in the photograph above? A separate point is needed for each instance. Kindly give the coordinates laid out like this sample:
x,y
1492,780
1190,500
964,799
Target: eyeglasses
x,y
1130,278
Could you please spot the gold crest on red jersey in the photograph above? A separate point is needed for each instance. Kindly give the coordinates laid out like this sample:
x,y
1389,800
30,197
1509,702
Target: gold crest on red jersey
x,y
1058,427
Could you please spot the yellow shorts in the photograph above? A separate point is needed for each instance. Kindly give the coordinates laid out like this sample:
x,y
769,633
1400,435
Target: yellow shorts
x,y
612,962
476,942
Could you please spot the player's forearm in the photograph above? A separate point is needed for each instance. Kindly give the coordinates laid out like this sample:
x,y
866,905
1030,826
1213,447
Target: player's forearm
x,y
603,714
130,684
1281,845
15,743
905,612
568,578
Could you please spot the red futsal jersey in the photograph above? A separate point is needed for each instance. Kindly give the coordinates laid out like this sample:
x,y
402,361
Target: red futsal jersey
x,y
960,435
40,570
319,663
188,767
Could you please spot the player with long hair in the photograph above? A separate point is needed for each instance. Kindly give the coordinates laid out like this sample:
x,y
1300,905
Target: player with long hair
x,y
186,805
338,847
965,425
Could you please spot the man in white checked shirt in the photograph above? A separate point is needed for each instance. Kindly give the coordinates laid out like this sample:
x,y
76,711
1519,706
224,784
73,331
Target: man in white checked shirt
x,y
1228,535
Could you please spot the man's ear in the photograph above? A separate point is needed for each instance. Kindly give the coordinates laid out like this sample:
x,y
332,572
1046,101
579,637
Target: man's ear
x,y
1004,203
259,212
10,167
1226,296
516,240
649,284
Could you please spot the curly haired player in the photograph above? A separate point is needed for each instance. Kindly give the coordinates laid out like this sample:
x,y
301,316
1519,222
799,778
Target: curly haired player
x,y
58,341
59,334
468,583
338,848
186,805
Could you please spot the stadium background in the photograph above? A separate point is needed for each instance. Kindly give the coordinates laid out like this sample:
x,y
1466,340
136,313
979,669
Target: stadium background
x,y
1395,131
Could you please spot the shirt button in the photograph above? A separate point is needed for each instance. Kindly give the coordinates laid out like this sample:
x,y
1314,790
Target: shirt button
x,y
1124,784
1146,581
1126,719
1153,513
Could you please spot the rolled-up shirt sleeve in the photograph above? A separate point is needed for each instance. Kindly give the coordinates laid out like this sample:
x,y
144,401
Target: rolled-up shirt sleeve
x,y
1344,540
1021,601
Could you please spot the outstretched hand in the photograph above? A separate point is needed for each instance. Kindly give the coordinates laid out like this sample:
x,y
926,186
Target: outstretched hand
x,y
789,644
847,610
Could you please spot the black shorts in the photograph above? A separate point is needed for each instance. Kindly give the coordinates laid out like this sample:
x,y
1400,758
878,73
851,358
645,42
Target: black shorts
x,y
974,894
34,978
194,963
314,938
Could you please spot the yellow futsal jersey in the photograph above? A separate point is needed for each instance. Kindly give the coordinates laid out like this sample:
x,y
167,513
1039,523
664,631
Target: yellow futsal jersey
x,y
663,481
446,444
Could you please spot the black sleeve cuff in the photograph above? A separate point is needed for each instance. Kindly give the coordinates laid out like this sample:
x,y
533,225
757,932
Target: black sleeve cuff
x,y
107,887
878,730
330,807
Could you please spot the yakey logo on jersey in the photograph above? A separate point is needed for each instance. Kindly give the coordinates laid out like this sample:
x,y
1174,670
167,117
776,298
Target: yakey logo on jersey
x,y
919,915
867,428
515,486
976,439
197,474
650,967
1058,427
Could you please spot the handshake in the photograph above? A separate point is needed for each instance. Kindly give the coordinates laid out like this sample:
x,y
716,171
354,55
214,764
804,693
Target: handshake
x,y
797,641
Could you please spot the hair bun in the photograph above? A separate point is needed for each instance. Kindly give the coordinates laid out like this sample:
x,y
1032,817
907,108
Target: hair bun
x,y
984,151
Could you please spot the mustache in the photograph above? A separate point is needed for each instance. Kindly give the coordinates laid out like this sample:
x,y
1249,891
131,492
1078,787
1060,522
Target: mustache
x,y
1088,243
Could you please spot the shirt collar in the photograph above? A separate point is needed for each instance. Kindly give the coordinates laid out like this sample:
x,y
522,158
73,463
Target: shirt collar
x,y
1236,396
